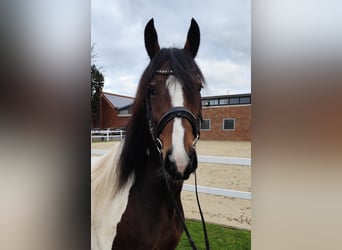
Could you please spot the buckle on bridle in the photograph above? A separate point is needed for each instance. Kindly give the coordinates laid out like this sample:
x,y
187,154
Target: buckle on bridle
x,y
159,145
195,141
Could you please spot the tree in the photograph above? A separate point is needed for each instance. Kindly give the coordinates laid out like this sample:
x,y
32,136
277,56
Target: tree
x,y
97,82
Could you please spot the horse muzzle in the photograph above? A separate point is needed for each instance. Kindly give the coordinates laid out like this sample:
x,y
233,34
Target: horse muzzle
x,y
179,167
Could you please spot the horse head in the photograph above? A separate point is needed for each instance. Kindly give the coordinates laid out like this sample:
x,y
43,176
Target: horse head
x,y
173,100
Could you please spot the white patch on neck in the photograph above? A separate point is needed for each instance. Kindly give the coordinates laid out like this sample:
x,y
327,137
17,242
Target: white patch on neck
x,y
179,155
107,203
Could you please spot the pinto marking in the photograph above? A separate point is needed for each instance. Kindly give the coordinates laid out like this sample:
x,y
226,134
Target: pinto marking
x,y
108,203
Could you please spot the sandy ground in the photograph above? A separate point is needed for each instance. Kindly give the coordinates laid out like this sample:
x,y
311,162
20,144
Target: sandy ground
x,y
217,209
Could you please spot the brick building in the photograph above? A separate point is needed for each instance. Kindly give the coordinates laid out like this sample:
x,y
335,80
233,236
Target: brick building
x,y
226,117
114,110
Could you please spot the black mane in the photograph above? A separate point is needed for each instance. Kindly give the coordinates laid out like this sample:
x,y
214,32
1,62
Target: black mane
x,y
137,139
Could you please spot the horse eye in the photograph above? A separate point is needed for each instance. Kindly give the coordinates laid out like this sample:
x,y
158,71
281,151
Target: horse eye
x,y
152,91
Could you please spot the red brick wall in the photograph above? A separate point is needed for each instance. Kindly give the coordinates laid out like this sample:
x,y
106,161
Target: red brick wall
x,y
110,118
121,122
242,116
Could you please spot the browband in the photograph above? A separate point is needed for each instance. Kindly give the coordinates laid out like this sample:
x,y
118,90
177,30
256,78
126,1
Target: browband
x,y
164,72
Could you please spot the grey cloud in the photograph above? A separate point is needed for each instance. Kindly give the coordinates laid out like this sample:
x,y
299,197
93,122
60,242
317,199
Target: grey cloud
x,y
118,26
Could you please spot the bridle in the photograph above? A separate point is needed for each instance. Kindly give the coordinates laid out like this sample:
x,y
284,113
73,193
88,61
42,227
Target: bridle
x,y
172,113
155,131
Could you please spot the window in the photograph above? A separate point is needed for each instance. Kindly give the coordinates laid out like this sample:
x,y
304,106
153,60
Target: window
x,y
229,124
223,101
205,102
125,112
234,100
213,102
205,124
245,100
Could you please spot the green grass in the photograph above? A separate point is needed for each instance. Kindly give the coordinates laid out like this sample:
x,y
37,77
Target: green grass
x,y
220,237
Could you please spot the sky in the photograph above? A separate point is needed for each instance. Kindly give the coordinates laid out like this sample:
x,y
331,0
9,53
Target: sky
x,y
224,56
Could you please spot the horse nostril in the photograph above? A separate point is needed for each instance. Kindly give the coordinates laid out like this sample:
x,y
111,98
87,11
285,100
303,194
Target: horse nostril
x,y
178,167
192,166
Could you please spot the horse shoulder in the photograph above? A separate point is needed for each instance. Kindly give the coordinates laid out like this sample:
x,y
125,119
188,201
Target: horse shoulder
x,y
107,202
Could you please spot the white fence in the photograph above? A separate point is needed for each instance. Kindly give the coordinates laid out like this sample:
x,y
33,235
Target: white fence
x,y
219,191
107,134
210,190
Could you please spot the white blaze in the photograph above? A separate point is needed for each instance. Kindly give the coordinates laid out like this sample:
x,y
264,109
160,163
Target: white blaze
x,y
179,155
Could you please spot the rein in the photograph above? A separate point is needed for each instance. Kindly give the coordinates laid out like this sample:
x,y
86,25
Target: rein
x,y
176,112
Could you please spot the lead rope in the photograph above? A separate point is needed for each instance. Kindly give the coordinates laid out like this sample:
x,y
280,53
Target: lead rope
x,y
179,214
207,246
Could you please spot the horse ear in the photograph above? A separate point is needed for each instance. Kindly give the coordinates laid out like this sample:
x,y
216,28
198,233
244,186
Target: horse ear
x,y
193,38
151,39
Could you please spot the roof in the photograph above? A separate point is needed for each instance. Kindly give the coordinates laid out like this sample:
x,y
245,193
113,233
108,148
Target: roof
x,y
225,96
119,101
122,102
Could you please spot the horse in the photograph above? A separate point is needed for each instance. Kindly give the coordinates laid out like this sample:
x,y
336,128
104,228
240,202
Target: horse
x,y
136,192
